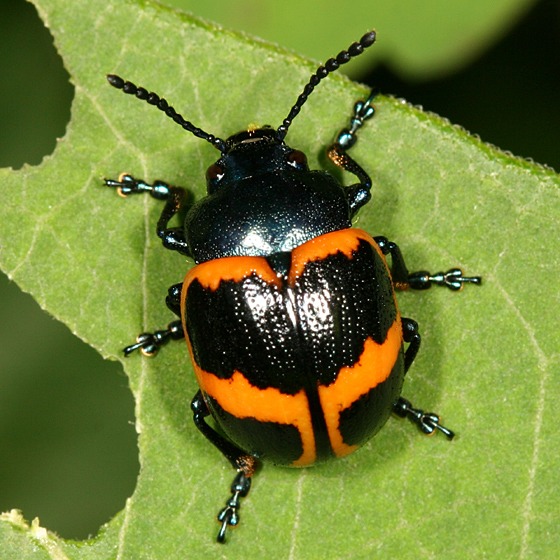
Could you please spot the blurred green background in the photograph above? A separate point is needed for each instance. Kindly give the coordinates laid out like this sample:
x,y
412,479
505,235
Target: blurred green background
x,y
67,441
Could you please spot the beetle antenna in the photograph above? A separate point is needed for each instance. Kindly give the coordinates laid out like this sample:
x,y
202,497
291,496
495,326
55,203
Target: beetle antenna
x,y
159,102
355,49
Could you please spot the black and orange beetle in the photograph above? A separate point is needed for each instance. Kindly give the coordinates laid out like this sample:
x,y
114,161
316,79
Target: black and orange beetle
x,y
290,314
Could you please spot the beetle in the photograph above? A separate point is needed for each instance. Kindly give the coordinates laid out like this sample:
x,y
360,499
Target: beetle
x,y
289,314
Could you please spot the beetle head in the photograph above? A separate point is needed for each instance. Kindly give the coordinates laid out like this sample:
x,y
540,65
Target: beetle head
x,y
253,152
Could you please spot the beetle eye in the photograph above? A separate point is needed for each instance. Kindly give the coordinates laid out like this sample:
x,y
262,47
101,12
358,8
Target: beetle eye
x,y
297,159
214,173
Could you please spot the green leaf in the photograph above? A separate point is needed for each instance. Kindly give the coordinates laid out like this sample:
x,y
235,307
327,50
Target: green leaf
x,y
489,362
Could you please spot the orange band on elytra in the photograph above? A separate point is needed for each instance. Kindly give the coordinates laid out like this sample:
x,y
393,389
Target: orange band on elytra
x,y
238,397
373,367
344,241
211,273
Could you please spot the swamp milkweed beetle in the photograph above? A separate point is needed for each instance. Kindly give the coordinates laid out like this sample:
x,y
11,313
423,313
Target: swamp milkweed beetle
x,y
289,315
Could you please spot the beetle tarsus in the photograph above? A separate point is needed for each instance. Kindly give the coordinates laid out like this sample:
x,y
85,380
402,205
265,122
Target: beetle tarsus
x,y
428,422
363,110
229,516
452,279
150,343
126,184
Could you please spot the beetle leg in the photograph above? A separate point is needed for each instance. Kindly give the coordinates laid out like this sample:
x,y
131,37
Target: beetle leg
x,y
173,299
172,238
413,338
428,422
241,461
358,194
149,343
421,280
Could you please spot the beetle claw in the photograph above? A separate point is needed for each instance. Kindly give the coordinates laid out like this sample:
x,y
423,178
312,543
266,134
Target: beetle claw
x,y
141,343
125,185
147,343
